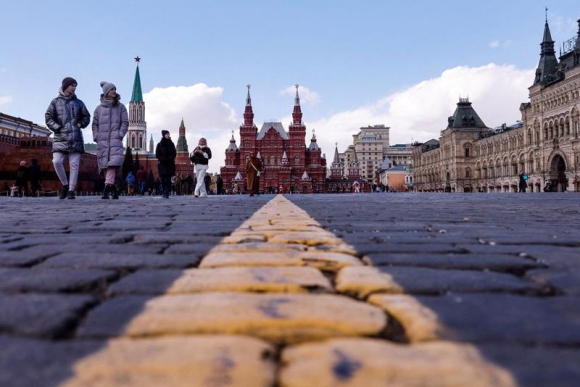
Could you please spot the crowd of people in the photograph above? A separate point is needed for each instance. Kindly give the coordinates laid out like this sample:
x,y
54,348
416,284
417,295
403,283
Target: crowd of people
x,y
67,115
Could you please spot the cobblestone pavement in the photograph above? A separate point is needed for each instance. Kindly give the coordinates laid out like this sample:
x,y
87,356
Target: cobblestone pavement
x,y
296,290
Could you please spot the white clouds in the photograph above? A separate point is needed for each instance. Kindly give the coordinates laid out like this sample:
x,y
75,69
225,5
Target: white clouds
x,y
420,112
203,112
307,96
5,99
498,44
417,113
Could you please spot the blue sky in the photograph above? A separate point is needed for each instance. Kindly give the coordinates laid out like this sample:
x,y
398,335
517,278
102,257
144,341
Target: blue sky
x,y
359,63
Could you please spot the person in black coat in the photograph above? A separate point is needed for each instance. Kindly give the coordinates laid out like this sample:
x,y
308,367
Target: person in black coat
x,y
22,179
165,153
34,177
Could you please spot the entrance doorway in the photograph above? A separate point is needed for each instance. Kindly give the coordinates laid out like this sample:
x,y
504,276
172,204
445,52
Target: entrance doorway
x,y
558,170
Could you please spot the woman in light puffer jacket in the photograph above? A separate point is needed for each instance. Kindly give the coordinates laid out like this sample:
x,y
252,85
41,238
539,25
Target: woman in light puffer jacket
x,y
110,124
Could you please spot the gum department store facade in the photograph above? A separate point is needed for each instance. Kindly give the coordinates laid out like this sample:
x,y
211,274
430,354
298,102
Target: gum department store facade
x,y
545,145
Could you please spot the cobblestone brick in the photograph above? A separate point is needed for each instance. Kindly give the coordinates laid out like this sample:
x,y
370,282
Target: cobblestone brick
x,y
95,260
366,362
276,318
364,281
487,318
40,314
52,280
227,279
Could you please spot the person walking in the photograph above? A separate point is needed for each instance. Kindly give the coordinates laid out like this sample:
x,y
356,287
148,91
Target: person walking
x,y
220,185
22,179
141,180
200,158
65,116
34,177
110,125
523,183
253,169
165,153
130,180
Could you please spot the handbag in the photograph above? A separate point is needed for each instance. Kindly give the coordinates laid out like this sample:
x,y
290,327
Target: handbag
x,y
257,172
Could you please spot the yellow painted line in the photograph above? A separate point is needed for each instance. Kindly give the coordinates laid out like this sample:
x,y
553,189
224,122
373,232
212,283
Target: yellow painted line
x,y
278,234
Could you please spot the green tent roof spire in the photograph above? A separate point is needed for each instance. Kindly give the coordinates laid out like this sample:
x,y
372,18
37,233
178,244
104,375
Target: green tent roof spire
x,y
137,95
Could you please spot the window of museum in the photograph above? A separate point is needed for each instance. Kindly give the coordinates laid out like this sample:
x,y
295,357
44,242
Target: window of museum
x,y
576,129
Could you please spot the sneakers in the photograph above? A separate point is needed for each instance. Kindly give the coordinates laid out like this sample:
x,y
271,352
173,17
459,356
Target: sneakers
x,y
63,192
70,195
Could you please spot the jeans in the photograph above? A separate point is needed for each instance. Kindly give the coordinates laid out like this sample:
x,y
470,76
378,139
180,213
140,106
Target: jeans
x,y
200,170
74,160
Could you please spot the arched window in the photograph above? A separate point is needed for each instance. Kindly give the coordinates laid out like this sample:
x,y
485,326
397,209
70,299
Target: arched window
x,y
297,159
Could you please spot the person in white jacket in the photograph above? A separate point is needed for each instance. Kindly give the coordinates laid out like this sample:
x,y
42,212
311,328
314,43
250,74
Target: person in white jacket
x,y
200,159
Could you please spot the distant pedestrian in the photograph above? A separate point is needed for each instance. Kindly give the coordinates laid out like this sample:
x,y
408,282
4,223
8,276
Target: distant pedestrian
x,y
200,158
141,180
207,182
523,184
22,179
253,170
220,185
165,153
65,117
110,124
34,177
130,180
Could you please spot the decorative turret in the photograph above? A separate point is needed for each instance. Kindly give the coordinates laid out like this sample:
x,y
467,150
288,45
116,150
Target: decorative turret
x,y
151,145
297,134
248,112
297,113
137,131
336,168
353,166
182,141
577,45
232,153
548,66
313,144
232,147
248,130
465,117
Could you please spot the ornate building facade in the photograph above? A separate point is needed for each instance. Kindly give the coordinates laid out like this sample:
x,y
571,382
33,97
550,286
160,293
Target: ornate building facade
x,y
544,146
289,165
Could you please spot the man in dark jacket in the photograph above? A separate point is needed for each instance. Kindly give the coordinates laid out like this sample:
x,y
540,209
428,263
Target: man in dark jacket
x,y
66,116
34,177
165,153
22,179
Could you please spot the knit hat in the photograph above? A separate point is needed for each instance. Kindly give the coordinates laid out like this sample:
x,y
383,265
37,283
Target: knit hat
x,y
67,82
164,132
107,87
